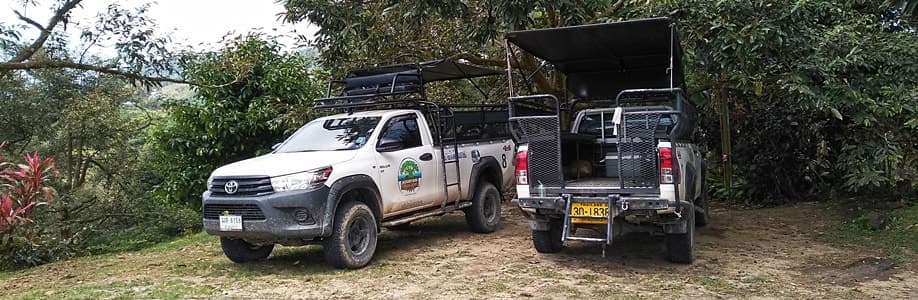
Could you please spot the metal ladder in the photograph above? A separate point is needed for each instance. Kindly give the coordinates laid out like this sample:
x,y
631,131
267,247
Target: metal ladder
x,y
610,216
446,119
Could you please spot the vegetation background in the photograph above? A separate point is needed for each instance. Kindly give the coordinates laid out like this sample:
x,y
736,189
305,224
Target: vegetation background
x,y
820,97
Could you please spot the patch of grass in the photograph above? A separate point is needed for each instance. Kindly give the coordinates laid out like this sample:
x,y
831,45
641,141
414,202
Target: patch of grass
x,y
547,273
588,278
712,283
198,238
494,285
614,293
900,241
567,290
119,290
755,278
177,289
142,289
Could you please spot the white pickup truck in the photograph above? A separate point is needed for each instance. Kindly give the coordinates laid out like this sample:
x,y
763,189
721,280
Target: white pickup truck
x,y
618,156
340,178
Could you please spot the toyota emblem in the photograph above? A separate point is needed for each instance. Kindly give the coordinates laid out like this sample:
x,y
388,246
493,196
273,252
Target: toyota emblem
x,y
231,187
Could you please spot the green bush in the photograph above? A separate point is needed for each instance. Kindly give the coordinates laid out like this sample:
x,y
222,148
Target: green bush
x,y
251,95
820,101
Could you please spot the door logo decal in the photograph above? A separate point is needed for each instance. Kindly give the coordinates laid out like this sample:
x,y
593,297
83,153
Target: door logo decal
x,y
409,176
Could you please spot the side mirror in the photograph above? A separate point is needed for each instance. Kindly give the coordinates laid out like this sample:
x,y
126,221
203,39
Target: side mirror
x,y
389,145
276,146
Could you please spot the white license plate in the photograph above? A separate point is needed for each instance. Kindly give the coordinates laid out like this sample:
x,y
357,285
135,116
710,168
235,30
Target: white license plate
x,y
230,223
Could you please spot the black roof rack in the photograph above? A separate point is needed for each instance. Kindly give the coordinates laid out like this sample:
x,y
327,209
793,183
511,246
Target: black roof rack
x,y
396,86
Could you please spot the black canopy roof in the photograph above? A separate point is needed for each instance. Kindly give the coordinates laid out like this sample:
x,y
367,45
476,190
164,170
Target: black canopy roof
x,y
600,60
434,70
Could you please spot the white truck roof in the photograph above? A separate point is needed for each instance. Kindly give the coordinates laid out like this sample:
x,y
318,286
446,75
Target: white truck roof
x,y
371,113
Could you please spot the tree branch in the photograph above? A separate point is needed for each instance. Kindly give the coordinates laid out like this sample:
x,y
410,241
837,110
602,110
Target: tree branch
x,y
33,65
27,52
478,60
27,20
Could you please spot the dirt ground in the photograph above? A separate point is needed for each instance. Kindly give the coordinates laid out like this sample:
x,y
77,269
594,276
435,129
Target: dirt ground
x,y
743,253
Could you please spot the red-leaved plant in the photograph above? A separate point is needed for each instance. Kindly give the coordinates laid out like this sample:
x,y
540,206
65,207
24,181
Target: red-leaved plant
x,y
22,189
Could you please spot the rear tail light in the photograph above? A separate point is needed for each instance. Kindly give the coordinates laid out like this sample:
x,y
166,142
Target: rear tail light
x,y
666,165
522,167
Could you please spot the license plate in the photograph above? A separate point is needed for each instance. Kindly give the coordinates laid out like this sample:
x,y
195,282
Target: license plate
x,y
589,209
230,223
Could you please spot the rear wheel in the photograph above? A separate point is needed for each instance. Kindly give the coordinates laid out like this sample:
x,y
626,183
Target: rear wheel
x,y
484,214
702,214
680,247
353,240
240,251
548,241
702,211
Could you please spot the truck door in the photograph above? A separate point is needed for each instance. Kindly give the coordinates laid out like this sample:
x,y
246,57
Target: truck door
x,y
408,173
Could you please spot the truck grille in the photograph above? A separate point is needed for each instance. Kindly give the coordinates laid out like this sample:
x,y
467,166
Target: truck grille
x,y
247,211
247,186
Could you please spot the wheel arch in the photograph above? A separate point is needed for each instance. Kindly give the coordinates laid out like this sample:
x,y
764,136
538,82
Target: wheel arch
x,y
360,188
487,169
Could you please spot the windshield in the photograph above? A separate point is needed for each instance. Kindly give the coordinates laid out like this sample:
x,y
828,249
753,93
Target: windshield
x,y
331,134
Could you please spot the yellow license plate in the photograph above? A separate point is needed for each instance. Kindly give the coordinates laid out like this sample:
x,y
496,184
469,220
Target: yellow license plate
x,y
589,209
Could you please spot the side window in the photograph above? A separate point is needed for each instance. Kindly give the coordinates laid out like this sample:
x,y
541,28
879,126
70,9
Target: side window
x,y
405,129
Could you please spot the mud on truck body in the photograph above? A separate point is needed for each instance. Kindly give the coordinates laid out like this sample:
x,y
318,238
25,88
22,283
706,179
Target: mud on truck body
x,y
618,157
387,158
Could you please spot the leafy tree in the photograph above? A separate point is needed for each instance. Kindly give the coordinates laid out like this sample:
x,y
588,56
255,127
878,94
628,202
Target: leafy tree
x,y
817,93
360,33
142,54
269,93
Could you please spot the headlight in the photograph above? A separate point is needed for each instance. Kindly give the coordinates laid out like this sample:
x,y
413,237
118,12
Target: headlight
x,y
301,181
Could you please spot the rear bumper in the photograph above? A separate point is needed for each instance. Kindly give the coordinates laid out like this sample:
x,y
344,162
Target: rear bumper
x,y
283,222
557,205
542,210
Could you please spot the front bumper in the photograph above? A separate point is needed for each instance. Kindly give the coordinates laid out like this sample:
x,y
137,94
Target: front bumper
x,y
283,221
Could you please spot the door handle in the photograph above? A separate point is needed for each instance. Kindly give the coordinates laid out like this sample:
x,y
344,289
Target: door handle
x,y
426,156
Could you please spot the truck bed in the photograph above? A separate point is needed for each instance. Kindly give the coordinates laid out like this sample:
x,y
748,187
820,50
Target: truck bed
x,y
593,182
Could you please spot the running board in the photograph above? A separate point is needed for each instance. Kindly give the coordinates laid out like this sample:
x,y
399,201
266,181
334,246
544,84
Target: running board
x,y
429,213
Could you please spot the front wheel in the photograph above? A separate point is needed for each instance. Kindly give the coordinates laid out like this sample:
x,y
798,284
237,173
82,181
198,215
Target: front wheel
x,y
240,251
680,247
484,214
548,241
353,240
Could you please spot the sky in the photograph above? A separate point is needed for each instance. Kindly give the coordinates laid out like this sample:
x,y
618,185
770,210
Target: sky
x,y
197,23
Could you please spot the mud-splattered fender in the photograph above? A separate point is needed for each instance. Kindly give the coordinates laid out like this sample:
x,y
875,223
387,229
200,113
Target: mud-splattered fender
x,y
358,183
486,167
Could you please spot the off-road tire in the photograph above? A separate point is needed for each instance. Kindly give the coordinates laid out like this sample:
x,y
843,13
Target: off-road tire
x,y
702,210
680,247
240,251
484,214
548,241
353,239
